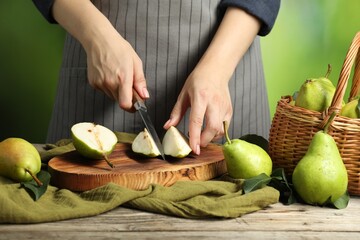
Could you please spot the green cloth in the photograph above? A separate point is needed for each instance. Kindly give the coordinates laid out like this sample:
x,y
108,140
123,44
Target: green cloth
x,y
188,199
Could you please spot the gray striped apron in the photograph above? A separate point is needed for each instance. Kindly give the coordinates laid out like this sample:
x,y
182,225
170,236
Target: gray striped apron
x,y
169,36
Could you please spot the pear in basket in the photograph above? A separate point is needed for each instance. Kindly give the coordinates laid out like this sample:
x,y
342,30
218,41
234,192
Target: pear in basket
x,y
321,174
351,109
316,93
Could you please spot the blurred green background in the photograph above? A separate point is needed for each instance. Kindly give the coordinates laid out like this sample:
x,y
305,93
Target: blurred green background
x,y
306,37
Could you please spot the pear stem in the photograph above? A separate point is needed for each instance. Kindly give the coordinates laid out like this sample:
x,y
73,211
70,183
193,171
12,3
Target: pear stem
x,y
332,116
38,182
226,126
108,161
328,71
96,135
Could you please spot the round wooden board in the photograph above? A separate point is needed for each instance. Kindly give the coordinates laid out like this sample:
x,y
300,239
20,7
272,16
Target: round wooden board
x,y
74,172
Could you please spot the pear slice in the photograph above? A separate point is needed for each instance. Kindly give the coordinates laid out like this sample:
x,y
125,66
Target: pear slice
x,y
175,143
144,144
93,140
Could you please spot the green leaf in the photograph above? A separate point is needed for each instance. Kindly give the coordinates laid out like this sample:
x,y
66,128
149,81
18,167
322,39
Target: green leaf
x,y
341,203
280,182
255,183
277,180
32,187
257,140
279,174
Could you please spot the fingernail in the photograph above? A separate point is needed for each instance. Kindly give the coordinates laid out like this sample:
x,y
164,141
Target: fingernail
x,y
197,152
167,123
146,93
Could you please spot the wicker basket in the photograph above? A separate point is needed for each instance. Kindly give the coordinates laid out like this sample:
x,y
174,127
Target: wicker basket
x,y
293,127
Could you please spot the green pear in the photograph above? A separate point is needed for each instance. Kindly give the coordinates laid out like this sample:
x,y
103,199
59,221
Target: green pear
x,y
19,160
175,143
245,160
93,140
351,109
321,174
316,94
144,144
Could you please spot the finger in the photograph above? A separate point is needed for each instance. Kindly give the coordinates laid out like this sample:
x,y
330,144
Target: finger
x,y
139,80
213,128
181,105
125,91
196,120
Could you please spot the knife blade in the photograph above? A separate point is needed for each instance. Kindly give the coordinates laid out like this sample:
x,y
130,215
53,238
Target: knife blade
x,y
141,108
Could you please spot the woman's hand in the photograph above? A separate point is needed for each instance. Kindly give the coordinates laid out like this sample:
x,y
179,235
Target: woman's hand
x,y
115,68
209,99
113,65
206,89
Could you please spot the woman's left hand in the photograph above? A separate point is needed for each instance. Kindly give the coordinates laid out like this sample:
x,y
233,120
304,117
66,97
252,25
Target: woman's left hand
x,y
206,90
209,99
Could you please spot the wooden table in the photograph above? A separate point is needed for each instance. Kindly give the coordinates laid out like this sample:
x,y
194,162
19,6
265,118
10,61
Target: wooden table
x,y
295,221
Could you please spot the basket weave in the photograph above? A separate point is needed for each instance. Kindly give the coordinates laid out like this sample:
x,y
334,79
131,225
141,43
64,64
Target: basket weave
x,y
293,127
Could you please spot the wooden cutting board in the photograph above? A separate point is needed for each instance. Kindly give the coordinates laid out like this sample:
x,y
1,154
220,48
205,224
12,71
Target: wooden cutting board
x,y
74,172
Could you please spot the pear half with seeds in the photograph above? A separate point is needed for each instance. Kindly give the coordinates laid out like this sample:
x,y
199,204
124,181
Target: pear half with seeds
x,y
175,143
144,144
93,140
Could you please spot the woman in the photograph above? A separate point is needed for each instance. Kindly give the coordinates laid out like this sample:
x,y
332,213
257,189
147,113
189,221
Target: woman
x,y
198,62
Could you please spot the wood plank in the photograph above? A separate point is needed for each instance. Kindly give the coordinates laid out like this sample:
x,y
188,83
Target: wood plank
x,y
277,218
74,172
198,235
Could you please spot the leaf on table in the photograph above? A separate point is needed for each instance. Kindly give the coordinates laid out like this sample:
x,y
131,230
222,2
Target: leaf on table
x,y
277,180
34,189
280,182
254,183
340,203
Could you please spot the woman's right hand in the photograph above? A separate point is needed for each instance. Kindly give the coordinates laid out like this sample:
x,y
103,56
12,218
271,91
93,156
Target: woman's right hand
x,y
115,68
113,65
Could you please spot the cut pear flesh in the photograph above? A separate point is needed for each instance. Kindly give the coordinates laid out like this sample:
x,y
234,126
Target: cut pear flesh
x,y
93,140
175,143
145,144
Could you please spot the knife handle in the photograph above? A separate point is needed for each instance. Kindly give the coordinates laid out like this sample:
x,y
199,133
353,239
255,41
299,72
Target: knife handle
x,y
138,102
136,97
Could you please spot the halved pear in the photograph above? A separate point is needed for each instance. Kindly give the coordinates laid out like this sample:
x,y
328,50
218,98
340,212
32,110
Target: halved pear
x,y
175,143
144,144
93,140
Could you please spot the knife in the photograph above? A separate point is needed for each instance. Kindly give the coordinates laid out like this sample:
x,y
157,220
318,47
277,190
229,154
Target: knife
x,y
141,108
